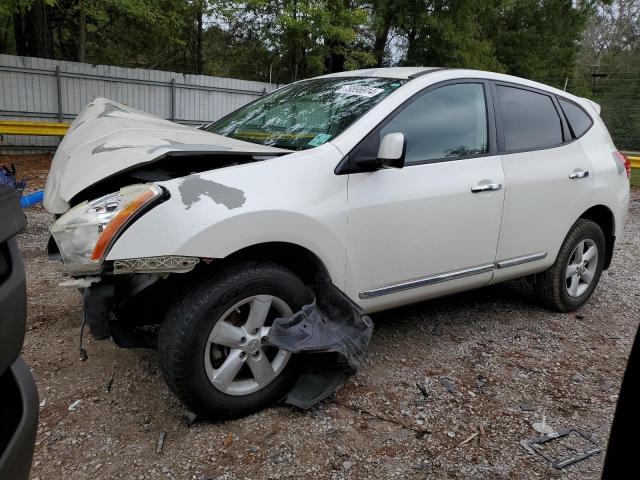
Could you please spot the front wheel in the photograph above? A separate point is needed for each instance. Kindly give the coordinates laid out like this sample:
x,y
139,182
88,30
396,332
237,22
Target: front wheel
x,y
211,343
571,280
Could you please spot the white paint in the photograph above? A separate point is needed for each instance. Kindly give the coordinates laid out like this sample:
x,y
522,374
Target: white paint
x,y
369,229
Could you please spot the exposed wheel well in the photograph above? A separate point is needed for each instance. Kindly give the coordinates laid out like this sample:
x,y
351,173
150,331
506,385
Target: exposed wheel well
x,y
604,218
301,261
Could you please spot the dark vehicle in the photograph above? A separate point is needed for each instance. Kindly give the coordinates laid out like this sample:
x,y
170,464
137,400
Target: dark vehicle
x,y
18,393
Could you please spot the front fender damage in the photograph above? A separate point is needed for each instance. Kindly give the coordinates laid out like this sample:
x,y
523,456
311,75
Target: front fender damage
x,y
333,334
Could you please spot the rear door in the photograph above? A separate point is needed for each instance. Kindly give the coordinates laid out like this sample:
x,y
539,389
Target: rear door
x,y
431,227
548,179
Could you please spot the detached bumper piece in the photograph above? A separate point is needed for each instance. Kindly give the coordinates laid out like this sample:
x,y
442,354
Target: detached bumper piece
x,y
333,334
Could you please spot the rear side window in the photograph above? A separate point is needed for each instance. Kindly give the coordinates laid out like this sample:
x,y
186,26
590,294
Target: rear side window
x,y
529,119
578,119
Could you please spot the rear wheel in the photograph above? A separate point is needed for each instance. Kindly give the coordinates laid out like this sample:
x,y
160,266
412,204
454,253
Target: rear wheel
x,y
569,283
211,343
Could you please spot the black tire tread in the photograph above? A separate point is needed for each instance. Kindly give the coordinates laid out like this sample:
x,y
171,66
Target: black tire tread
x,y
551,282
177,329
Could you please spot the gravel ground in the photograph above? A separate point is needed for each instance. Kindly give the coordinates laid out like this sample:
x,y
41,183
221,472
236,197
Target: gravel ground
x,y
490,362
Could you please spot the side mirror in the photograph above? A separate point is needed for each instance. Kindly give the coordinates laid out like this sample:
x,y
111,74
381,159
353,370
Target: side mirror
x,y
390,154
392,150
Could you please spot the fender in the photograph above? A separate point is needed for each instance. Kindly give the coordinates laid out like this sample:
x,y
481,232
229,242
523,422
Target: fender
x,y
219,212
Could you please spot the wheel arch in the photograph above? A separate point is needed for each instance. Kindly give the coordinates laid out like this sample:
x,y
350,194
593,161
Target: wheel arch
x,y
603,216
300,260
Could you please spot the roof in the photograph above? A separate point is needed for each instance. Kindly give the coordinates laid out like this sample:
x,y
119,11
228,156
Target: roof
x,y
389,72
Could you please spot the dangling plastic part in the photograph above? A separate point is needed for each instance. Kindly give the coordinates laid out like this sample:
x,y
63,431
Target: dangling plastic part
x,y
333,334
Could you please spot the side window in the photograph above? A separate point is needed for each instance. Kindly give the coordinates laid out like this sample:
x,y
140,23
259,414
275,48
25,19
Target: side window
x,y
448,122
578,119
529,119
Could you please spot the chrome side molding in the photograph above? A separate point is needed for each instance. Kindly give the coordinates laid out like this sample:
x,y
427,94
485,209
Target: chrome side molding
x,y
452,275
423,282
512,262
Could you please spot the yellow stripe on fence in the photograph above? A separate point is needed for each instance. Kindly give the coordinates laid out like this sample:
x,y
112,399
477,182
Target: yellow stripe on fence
x,y
33,128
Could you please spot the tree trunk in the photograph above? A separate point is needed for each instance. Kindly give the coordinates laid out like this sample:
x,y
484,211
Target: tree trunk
x,y
38,31
384,19
21,38
199,60
82,31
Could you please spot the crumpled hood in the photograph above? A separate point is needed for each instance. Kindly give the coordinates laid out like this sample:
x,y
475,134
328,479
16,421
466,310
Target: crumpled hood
x,y
107,138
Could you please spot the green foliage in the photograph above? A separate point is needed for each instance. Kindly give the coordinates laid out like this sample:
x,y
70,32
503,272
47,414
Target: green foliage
x,y
290,39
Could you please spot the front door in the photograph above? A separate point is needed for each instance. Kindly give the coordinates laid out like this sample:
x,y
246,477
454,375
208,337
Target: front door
x,y
431,227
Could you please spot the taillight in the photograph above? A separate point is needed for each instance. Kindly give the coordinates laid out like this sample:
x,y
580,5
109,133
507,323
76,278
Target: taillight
x,y
627,163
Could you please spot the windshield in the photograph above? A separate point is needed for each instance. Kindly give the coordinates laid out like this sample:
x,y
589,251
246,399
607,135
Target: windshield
x,y
306,114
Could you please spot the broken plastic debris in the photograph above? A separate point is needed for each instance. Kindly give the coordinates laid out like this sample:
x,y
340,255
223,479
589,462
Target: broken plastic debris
x,y
535,445
335,333
542,427
74,406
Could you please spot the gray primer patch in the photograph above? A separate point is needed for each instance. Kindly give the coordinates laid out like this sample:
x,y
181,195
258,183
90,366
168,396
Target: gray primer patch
x,y
101,148
110,108
193,188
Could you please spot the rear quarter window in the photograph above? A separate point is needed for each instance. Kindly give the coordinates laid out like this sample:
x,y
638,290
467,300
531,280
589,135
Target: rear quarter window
x,y
529,119
578,119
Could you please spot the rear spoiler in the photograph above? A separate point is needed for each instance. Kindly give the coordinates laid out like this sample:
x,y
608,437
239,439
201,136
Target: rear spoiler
x,y
593,104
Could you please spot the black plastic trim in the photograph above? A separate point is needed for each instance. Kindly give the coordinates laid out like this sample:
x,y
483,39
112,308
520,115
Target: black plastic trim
x,y
15,460
427,72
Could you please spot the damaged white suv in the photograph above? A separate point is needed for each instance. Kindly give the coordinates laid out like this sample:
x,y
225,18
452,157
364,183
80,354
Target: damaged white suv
x,y
392,185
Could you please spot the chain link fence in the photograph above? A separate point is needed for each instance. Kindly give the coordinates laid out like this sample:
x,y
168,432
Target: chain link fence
x,y
617,90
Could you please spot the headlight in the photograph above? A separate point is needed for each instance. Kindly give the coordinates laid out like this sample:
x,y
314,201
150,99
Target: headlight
x,y
85,233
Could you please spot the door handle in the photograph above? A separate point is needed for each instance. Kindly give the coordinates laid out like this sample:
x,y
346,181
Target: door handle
x,y
580,174
487,187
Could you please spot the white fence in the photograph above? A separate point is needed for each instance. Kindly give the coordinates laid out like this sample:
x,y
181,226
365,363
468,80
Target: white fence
x,y
41,90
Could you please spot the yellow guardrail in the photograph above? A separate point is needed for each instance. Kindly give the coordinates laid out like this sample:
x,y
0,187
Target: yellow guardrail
x,y
33,128
59,129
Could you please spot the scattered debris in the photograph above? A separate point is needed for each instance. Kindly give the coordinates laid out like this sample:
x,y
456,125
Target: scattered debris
x,y
228,440
535,445
161,442
449,385
527,408
451,434
43,403
525,444
74,406
469,438
423,390
190,418
110,382
420,432
542,427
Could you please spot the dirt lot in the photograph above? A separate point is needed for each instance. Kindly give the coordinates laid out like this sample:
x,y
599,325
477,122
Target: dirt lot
x,y
507,362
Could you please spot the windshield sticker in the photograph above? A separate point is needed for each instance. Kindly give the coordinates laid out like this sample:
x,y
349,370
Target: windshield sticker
x,y
360,90
319,139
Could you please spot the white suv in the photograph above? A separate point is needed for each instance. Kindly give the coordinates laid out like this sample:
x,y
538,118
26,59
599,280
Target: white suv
x,y
396,184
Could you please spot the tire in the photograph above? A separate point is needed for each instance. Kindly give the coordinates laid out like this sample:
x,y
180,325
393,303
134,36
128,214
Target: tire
x,y
555,288
188,360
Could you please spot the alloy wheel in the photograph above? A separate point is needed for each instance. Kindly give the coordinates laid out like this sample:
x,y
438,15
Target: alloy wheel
x,y
235,359
582,268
